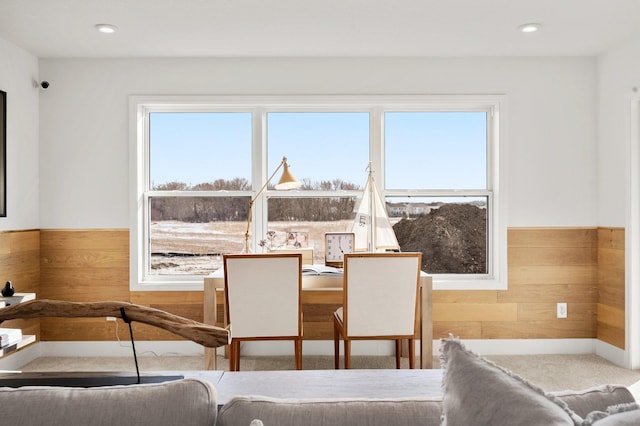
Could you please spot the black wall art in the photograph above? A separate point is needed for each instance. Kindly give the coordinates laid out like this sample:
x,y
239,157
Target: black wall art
x,y
3,154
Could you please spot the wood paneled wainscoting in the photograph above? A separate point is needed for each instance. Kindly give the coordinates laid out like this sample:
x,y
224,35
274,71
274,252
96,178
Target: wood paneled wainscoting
x,y
20,264
583,267
545,266
93,265
611,286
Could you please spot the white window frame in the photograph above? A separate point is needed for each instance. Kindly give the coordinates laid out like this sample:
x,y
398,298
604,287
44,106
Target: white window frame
x,y
376,105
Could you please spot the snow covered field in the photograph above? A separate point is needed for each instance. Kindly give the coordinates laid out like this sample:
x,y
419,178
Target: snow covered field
x,y
197,248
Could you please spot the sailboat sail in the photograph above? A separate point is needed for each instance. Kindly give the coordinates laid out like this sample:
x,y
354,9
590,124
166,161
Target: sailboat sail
x,y
376,234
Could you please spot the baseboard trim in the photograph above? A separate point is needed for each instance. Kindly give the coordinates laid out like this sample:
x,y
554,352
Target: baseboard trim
x,y
311,347
16,360
611,353
480,346
123,349
526,346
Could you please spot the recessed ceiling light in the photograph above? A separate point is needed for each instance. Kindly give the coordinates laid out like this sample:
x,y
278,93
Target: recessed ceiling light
x,y
106,28
529,28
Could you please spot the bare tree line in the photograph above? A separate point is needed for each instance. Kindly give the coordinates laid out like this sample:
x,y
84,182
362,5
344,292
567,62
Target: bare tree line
x,y
213,209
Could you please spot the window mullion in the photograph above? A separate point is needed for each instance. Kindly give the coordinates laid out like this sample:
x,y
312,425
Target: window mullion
x,y
377,146
259,175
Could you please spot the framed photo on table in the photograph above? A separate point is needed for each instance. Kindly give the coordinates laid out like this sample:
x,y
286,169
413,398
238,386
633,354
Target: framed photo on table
x,y
297,240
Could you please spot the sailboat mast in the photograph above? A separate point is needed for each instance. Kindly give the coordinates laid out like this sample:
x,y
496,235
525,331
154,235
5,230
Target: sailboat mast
x,y
372,210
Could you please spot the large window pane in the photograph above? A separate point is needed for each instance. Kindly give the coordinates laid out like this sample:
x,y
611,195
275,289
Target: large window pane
x,y
435,150
326,150
435,165
189,235
196,148
450,232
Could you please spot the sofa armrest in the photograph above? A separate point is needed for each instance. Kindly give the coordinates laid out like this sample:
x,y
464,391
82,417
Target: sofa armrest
x,y
188,401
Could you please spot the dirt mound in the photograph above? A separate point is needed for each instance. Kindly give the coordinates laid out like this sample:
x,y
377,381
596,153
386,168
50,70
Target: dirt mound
x,y
453,239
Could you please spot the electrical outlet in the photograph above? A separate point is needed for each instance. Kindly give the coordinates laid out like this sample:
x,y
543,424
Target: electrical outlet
x,y
561,309
111,318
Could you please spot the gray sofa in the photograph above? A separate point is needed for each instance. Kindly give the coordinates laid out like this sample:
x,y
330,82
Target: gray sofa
x,y
193,402
243,409
475,392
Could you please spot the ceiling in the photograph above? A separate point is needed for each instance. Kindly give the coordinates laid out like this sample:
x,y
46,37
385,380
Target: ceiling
x,y
305,28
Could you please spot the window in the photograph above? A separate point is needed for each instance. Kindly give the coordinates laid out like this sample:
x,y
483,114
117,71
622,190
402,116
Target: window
x,y
339,153
439,156
200,161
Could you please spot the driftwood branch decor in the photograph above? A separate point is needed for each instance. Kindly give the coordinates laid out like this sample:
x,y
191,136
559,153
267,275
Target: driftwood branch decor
x,y
206,335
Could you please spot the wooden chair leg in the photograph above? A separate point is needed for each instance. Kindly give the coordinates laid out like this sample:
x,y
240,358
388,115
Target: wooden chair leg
x,y
235,357
238,357
347,353
412,353
298,353
232,357
398,352
336,345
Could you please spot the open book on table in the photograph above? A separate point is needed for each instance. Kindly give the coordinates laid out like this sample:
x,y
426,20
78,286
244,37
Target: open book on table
x,y
320,270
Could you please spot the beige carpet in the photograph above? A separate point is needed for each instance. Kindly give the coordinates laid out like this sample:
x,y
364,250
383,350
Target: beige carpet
x,y
559,372
550,372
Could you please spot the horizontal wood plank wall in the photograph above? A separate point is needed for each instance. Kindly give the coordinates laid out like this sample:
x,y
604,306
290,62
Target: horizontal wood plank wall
x,y
20,264
93,265
545,266
611,286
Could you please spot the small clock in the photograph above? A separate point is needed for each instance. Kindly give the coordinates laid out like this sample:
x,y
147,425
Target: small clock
x,y
336,245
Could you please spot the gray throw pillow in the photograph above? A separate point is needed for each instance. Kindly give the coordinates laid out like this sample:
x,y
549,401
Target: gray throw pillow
x,y
597,398
619,415
478,392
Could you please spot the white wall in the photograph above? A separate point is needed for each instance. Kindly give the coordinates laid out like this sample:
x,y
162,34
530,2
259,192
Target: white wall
x,y
618,74
551,136
619,170
18,77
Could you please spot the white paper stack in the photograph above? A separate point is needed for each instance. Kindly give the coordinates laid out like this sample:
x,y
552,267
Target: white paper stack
x,y
17,298
10,336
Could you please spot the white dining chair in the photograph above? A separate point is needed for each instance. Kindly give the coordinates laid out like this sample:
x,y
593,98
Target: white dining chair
x,y
262,300
380,302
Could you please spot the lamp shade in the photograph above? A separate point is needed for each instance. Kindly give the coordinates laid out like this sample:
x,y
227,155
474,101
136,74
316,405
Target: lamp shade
x,y
287,181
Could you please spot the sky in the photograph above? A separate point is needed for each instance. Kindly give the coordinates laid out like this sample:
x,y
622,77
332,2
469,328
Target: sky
x,y
433,150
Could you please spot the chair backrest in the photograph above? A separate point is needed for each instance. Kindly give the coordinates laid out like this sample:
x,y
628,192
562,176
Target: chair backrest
x,y
262,294
381,294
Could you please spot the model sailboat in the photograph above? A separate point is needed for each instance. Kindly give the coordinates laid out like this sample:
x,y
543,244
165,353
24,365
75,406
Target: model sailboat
x,y
371,226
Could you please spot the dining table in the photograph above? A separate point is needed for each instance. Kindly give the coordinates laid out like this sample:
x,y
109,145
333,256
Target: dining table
x,y
314,283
